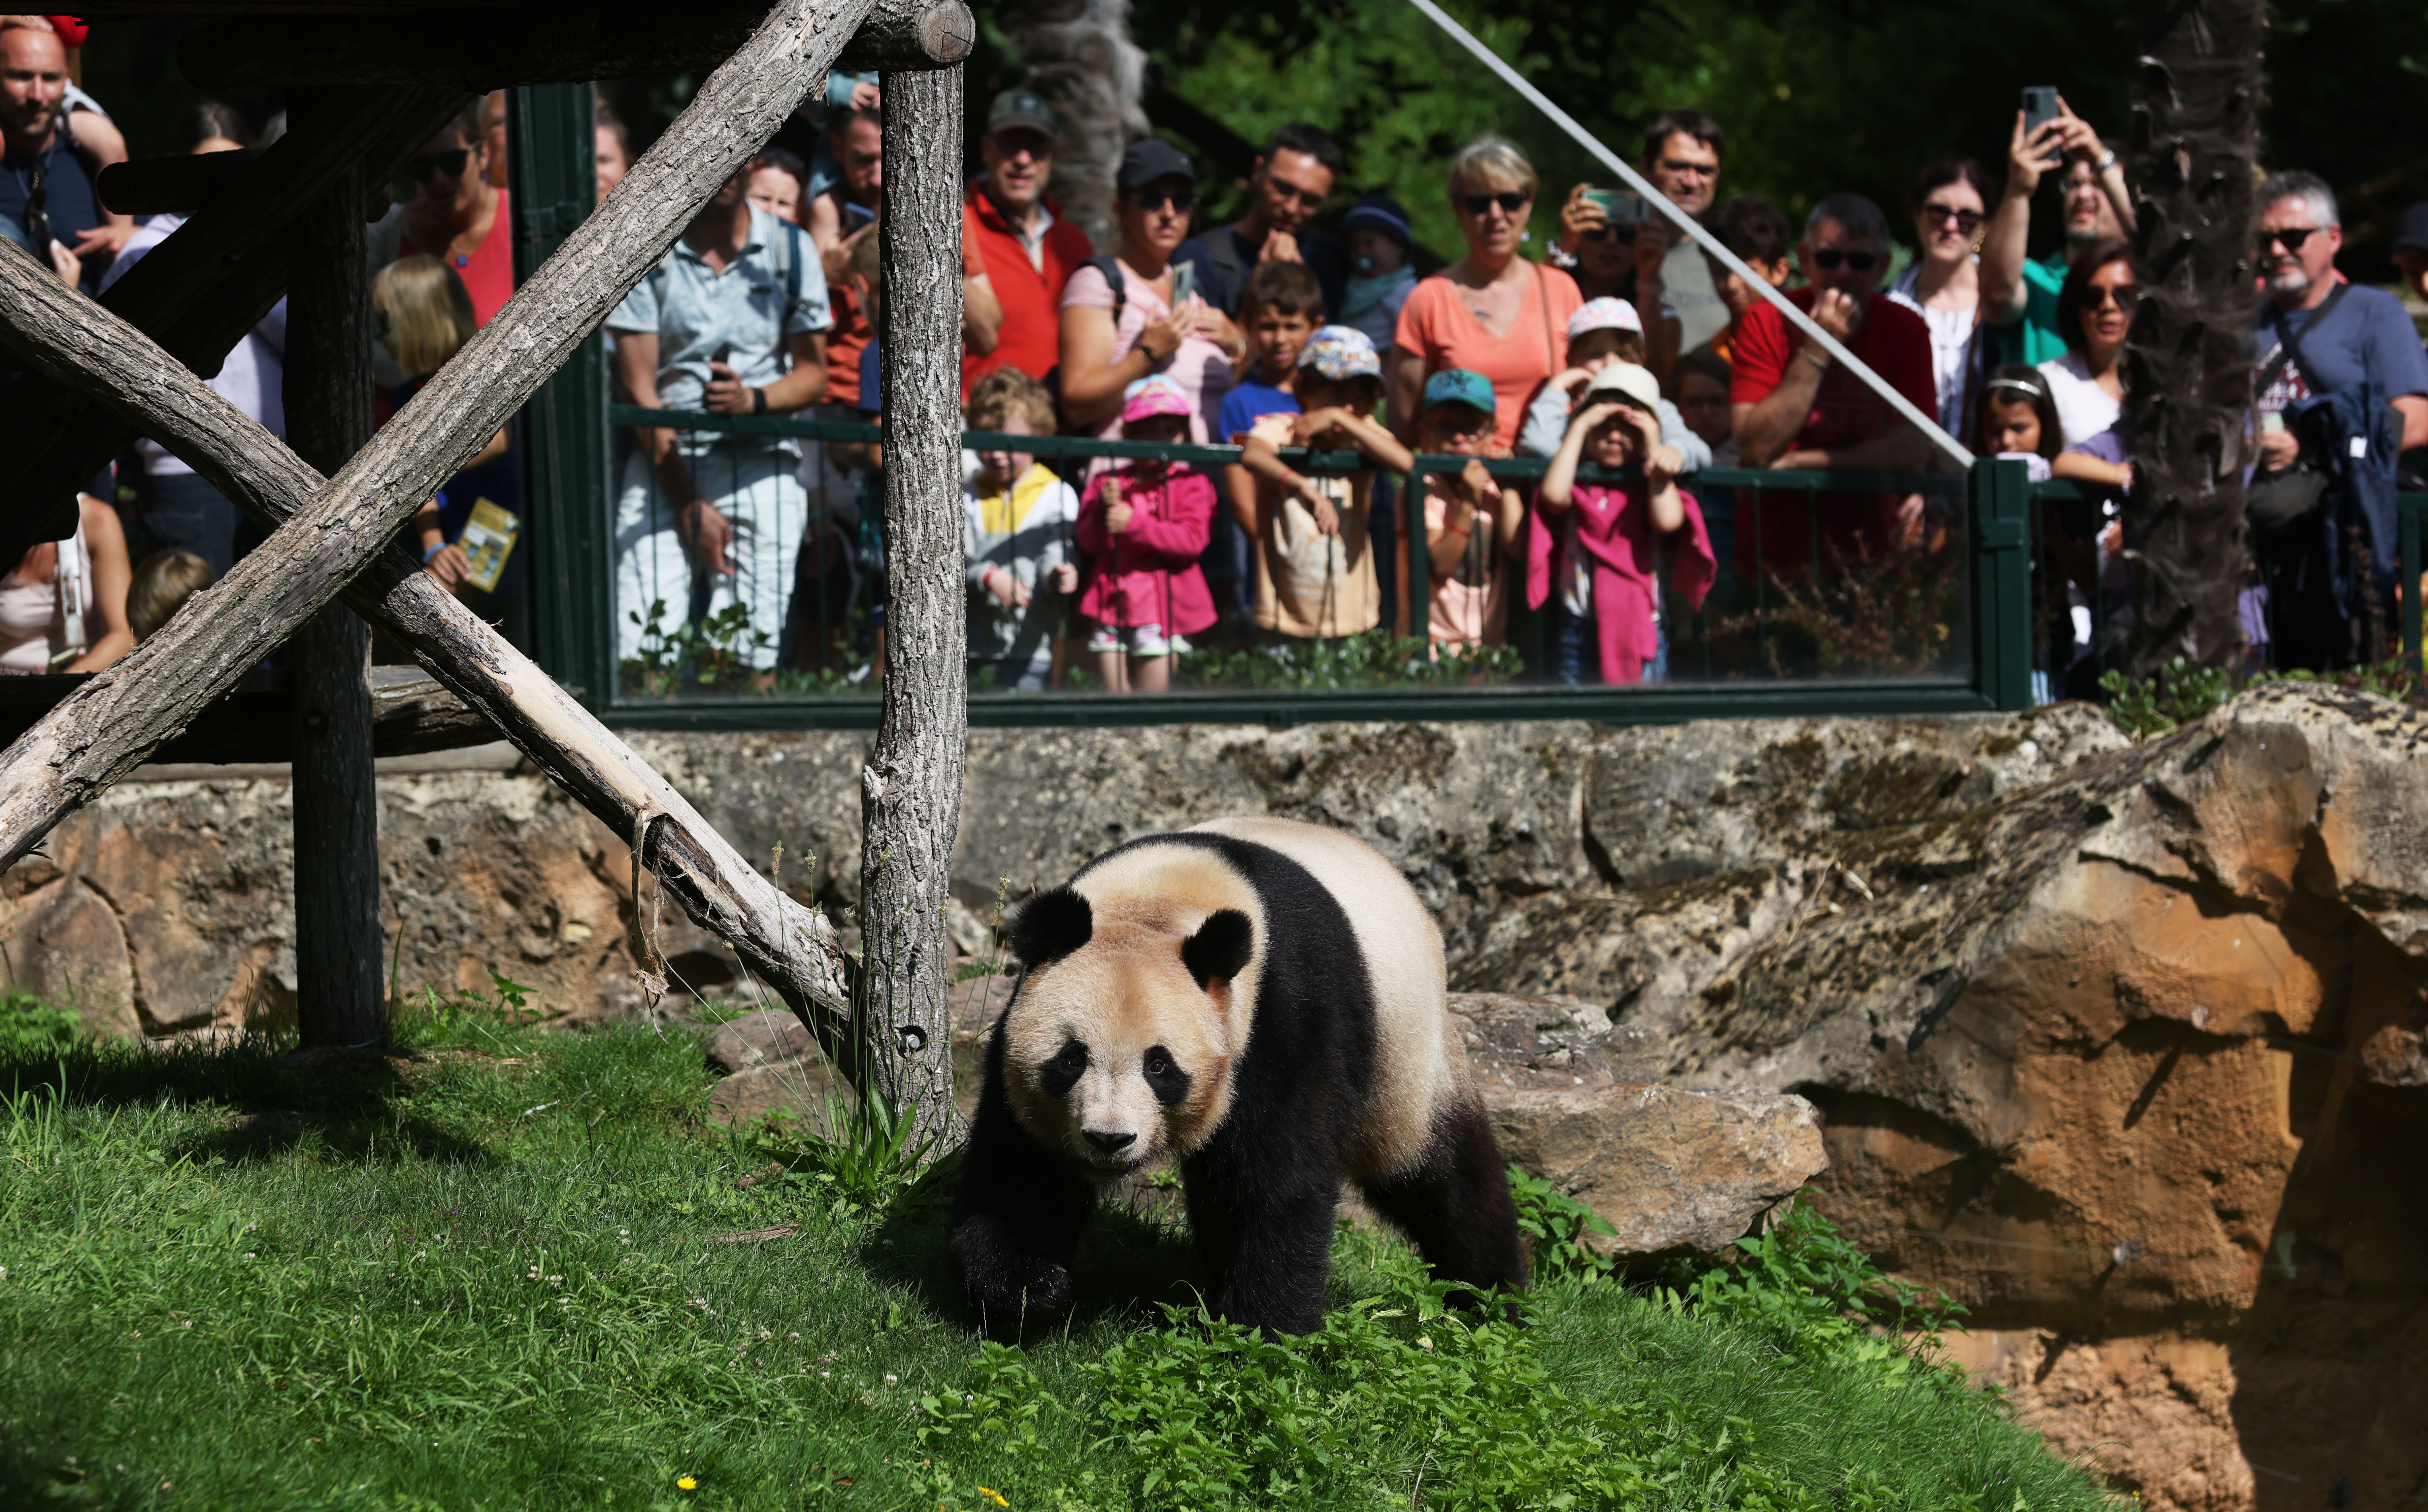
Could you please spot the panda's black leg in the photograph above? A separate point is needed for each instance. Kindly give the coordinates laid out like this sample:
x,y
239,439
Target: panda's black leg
x,y
1016,1216
1456,1204
1264,1226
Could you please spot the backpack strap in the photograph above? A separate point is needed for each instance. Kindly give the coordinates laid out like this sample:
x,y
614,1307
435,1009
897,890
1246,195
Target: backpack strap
x,y
1112,268
2288,345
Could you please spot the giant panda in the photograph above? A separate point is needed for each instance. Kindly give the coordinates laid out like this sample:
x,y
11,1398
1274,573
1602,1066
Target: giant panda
x,y
1262,1001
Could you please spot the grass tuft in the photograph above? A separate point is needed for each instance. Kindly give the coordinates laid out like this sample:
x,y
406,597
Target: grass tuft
x,y
509,1268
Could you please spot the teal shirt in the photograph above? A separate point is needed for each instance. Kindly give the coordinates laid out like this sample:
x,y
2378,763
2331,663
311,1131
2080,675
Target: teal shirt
x,y
2032,337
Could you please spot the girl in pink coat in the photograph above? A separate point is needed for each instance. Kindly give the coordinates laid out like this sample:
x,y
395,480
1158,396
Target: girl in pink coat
x,y
1143,527
1595,544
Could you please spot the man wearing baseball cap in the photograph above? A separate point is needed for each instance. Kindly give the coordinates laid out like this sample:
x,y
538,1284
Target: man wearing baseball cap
x,y
1024,248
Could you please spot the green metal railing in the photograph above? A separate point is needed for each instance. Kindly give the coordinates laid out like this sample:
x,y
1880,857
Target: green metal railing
x,y
1991,641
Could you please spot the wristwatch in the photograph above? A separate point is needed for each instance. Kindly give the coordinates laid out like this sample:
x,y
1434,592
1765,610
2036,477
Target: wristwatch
x,y
758,401
2107,158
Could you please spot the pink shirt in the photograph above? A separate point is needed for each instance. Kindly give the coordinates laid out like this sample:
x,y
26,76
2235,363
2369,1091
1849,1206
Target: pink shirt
x,y
1201,368
1609,532
1436,325
1148,574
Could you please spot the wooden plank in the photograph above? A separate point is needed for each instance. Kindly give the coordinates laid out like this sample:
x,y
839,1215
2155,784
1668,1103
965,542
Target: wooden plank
x,y
498,47
910,792
411,716
338,533
339,997
484,49
197,295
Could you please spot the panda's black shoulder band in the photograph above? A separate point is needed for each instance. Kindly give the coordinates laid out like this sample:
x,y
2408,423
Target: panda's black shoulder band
x,y
1049,927
1220,949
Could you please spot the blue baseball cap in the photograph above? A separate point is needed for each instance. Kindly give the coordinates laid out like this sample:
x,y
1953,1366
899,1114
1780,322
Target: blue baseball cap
x,y
1459,385
1380,212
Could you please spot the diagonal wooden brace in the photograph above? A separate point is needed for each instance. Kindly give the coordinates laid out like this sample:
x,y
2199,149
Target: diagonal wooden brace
x,y
197,295
336,531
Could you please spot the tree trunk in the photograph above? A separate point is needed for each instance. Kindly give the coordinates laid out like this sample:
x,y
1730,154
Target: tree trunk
x,y
911,791
1080,58
2188,361
328,384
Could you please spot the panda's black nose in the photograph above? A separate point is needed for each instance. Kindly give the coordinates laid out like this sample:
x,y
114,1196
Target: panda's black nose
x,y
1109,1143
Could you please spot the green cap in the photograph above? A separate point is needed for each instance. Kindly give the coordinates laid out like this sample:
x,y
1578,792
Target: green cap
x,y
1021,107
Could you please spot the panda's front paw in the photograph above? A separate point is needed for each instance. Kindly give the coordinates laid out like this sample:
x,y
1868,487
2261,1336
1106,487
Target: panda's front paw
x,y
1005,1286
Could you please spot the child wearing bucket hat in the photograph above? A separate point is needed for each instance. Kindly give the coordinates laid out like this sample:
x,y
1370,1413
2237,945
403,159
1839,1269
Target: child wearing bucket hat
x,y
1470,520
1598,545
1603,332
1315,563
1143,525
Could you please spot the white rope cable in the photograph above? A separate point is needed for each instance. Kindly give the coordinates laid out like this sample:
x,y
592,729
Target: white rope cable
x,y
1709,243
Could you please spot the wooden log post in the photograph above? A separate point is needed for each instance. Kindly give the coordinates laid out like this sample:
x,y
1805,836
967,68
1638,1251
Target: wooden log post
x,y
328,387
58,331
911,790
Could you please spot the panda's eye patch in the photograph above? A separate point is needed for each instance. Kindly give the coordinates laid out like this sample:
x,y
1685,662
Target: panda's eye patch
x,y
1062,1072
1168,1081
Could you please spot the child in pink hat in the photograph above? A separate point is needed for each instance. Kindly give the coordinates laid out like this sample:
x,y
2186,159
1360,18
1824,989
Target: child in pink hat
x,y
1143,526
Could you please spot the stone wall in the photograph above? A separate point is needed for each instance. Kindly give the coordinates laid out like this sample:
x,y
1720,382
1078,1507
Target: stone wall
x,y
2121,1046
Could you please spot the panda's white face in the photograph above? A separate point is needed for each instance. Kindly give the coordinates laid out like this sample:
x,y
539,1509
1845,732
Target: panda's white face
x,y
1114,1056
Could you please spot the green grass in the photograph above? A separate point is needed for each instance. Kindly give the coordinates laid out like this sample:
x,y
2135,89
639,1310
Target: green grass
x,y
490,1278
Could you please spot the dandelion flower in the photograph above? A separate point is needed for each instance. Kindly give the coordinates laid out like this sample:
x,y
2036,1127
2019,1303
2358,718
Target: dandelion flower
x,y
684,1483
993,1495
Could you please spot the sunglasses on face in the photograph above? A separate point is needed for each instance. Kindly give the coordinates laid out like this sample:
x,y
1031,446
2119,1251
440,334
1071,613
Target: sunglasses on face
x,y
1181,201
1679,167
1510,200
2292,237
1830,260
1608,232
447,164
2098,298
1968,221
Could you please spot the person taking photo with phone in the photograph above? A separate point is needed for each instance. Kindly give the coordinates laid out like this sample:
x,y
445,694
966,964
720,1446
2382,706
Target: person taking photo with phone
x,y
2019,294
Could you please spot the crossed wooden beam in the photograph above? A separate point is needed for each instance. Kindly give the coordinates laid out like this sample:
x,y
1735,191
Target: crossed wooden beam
x,y
128,362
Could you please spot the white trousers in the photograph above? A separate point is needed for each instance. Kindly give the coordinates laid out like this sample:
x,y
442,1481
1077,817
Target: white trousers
x,y
755,488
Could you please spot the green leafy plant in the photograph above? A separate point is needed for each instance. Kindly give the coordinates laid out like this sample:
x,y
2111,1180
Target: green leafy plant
x,y
2181,692
870,1152
1812,1290
1558,1224
1372,659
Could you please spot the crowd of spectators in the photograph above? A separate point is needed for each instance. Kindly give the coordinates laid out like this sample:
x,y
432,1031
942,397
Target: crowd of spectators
x,y
1311,319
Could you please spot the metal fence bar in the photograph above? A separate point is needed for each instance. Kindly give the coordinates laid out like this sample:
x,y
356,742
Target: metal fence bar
x,y
2002,581
567,471
2407,511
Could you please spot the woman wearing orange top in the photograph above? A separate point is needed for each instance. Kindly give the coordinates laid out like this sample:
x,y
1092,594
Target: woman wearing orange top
x,y
1492,311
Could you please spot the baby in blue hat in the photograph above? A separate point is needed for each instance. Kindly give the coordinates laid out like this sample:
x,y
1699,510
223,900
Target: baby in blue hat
x,y
1376,232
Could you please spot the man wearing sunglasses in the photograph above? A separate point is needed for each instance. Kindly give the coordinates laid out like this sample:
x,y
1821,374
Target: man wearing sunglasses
x,y
1796,408
1287,188
2317,336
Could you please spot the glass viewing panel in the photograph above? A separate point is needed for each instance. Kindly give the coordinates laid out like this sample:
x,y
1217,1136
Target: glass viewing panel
x,y
1802,578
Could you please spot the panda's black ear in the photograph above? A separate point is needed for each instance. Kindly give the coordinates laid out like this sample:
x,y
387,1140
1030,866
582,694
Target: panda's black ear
x,y
1219,950
1049,927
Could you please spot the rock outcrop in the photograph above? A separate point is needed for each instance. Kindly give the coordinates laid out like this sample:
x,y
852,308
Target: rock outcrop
x,y
2121,1046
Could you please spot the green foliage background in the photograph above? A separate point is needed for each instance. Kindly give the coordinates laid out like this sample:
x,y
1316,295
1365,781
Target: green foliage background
x,y
1816,95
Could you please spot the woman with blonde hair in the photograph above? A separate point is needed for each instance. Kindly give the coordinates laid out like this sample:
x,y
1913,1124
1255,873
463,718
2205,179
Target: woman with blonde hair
x,y
423,315
1492,311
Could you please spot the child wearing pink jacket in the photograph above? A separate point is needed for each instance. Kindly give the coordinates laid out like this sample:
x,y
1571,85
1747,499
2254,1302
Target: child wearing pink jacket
x,y
1143,525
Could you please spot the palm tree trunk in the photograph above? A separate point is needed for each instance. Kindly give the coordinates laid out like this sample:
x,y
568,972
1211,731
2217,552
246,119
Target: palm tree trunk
x,y
1080,58
2188,361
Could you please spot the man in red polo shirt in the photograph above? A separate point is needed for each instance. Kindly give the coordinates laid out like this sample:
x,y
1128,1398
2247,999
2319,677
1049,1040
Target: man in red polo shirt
x,y
1027,251
1796,408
